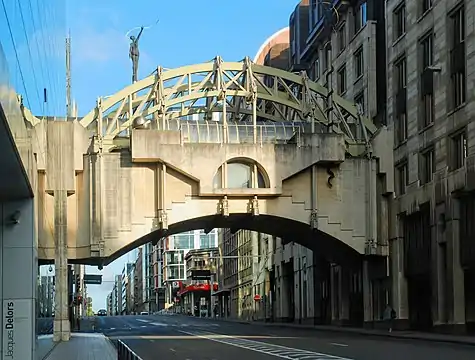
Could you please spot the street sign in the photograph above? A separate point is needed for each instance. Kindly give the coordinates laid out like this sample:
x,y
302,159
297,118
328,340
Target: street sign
x,y
257,297
200,274
92,279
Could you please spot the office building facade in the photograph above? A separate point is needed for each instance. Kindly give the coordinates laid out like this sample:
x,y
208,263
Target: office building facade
x,y
159,286
430,100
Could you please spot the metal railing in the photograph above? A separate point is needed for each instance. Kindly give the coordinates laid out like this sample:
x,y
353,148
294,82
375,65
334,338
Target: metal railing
x,y
125,353
238,133
213,132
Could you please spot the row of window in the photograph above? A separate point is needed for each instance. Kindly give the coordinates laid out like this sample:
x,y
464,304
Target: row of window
x,y
457,71
457,146
175,272
319,69
186,240
320,9
321,63
399,17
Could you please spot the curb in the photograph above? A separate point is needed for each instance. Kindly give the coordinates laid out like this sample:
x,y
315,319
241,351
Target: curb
x,y
393,335
111,342
50,351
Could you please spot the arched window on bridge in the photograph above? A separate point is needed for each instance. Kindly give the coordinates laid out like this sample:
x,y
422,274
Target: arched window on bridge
x,y
240,174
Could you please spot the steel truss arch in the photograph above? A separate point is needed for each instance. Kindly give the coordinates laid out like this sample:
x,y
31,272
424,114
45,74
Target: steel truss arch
x,y
240,91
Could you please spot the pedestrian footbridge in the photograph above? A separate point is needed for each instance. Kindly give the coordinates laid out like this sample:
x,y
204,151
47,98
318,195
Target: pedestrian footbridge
x,y
220,144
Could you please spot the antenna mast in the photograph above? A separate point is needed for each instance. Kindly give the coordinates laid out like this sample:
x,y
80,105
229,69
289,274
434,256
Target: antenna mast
x,y
69,104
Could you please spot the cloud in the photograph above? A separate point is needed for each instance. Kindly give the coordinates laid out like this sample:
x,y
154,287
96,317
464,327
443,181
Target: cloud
x,y
109,46
43,43
95,46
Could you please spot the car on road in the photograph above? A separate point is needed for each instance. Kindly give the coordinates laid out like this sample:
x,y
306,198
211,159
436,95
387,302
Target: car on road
x,y
144,313
102,312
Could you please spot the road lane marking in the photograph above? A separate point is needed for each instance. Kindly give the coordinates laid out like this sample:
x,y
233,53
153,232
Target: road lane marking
x,y
187,337
339,344
142,320
158,324
265,348
170,348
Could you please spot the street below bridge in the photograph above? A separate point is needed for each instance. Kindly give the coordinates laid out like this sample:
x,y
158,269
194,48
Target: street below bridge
x,y
188,338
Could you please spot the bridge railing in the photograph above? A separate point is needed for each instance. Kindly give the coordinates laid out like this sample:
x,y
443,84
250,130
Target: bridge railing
x,y
239,133
125,353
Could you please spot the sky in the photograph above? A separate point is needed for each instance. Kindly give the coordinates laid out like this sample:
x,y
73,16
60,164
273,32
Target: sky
x,y
187,32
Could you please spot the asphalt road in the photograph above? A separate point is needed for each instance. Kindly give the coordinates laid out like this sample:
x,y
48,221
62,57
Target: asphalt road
x,y
186,338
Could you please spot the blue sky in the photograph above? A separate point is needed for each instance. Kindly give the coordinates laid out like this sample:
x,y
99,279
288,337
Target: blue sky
x,y
188,31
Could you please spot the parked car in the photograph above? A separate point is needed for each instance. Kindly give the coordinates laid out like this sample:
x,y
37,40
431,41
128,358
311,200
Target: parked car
x,y
102,312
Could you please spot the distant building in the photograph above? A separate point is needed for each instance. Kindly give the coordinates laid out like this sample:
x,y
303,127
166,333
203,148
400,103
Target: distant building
x,y
158,283
109,304
175,249
125,279
274,51
195,294
46,296
117,295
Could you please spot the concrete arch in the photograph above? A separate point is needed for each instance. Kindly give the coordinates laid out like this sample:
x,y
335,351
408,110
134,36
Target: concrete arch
x,y
289,230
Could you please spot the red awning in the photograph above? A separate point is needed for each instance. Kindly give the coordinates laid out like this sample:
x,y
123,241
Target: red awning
x,y
199,287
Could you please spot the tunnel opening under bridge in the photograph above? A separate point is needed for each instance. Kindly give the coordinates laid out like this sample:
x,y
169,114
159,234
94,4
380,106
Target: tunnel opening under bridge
x,y
326,246
331,259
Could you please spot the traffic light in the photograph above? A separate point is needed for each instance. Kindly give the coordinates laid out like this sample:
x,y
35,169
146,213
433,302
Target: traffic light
x,y
78,283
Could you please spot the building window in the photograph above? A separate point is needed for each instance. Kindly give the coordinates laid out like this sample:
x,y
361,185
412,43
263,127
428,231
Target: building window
x,y
426,6
428,166
341,77
459,150
184,240
293,35
426,80
240,175
316,68
402,178
457,57
206,241
315,13
359,62
325,59
360,16
341,36
401,98
359,101
399,21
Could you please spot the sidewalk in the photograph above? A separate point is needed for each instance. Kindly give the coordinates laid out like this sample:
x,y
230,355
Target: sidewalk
x,y
79,347
44,346
412,335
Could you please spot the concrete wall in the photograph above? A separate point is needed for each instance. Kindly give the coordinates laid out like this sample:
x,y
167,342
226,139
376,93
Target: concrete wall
x,y
19,275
